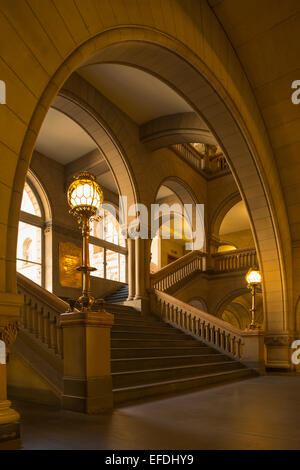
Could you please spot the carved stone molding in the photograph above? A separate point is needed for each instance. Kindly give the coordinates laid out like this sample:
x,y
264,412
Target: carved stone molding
x,y
8,334
279,340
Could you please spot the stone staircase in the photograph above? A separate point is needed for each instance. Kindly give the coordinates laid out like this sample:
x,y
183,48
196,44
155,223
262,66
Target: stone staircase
x,y
151,358
119,296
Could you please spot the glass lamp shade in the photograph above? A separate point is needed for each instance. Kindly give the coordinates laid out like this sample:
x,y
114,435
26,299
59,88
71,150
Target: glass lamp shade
x,y
84,191
253,276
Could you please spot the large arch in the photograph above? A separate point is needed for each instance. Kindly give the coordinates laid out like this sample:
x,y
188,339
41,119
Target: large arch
x,y
87,109
221,96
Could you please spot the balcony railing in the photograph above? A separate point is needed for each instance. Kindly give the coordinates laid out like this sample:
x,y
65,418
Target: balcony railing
x,y
209,164
234,260
195,261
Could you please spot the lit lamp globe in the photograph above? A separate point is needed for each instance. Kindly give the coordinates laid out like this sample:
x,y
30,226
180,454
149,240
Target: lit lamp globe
x,y
253,278
84,197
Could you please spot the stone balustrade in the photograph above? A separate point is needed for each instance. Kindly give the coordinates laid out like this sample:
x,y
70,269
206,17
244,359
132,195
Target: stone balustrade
x,y
184,151
246,346
203,163
179,270
234,260
40,314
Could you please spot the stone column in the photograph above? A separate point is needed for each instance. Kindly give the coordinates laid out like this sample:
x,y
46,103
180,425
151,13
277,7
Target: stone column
x,y
131,268
147,261
87,372
9,418
139,269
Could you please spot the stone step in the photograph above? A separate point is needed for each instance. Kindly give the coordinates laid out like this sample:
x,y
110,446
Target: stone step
x,y
161,351
127,394
144,334
141,324
134,317
131,378
143,363
150,343
122,310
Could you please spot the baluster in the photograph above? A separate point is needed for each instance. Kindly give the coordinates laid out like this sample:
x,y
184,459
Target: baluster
x,y
213,333
194,325
190,323
218,333
53,332
39,323
168,311
47,328
232,346
35,319
210,334
60,341
202,329
183,319
228,343
223,340
177,316
198,327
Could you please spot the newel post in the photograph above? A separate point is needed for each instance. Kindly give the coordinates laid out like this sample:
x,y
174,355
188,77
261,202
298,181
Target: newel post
x,y
87,371
253,350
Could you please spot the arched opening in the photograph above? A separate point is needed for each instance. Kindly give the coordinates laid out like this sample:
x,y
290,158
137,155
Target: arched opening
x,y
32,243
235,229
230,132
198,303
176,233
235,309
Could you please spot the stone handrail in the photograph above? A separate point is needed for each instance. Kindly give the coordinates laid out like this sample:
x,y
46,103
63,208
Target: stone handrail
x,y
40,314
234,260
246,346
178,270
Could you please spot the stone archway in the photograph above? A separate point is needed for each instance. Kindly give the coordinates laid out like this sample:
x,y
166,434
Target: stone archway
x,y
186,196
223,106
221,211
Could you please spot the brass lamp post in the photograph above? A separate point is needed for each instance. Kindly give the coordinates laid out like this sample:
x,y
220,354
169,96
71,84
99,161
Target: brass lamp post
x,y
84,197
253,278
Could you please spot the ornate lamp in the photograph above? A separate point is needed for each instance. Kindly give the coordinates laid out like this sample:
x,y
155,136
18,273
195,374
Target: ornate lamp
x,y
84,197
253,278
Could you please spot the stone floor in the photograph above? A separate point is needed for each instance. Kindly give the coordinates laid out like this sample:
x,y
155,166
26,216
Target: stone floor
x,y
259,413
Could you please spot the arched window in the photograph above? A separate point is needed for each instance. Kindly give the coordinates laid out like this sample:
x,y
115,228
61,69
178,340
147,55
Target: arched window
x,y
30,236
108,248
